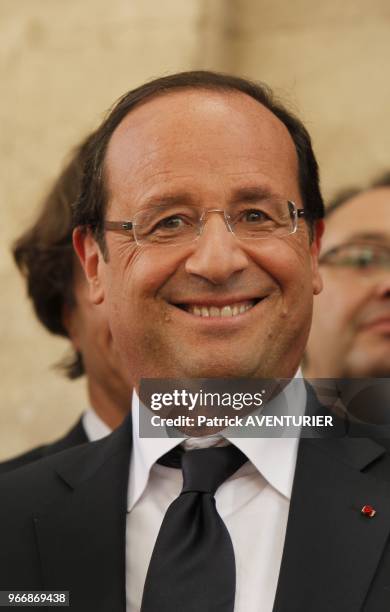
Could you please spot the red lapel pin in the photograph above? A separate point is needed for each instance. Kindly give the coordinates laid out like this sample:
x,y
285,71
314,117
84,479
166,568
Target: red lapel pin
x,y
368,511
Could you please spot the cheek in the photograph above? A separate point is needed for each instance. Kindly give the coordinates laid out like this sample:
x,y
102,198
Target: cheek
x,y
152,270
135,279
338,303
289,267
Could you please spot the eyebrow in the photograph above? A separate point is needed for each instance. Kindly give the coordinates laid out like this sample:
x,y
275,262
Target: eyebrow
x,y
252,194
168,200
240,194
369,236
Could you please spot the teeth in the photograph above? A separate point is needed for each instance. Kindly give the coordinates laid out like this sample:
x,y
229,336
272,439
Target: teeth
x,y
230,310
227,311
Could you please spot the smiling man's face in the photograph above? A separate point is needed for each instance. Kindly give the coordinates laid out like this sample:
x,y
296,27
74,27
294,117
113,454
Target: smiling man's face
x,y
218,306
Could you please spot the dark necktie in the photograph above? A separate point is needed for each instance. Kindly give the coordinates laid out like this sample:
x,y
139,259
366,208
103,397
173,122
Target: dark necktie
x,y
192,568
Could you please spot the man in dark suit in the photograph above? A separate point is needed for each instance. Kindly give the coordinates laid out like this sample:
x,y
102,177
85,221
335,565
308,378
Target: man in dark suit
x,y
58,291
198,227
354,340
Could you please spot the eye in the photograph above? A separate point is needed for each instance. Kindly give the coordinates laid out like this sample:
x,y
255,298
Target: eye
x,y
171,223
364,259
359,257
254,216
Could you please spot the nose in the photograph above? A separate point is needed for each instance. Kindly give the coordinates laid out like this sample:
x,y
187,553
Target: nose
x,y
217,254
382,288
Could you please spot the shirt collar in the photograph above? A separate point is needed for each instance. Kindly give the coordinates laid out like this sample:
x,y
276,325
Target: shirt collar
x,y
274,458
94,427
145,452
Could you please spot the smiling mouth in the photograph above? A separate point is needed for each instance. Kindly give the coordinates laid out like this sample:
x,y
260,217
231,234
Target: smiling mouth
x,y
378,325
227,310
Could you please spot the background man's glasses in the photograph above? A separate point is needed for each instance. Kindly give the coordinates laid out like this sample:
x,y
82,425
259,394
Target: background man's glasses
x,y
358,256
171,225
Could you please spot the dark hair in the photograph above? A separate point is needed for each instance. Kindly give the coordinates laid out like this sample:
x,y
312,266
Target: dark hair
x,y
343,196
45,256
89,209
382,180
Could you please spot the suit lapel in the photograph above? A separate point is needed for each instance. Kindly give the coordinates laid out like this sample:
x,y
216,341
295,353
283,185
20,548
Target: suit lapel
x,y
81,536
331,550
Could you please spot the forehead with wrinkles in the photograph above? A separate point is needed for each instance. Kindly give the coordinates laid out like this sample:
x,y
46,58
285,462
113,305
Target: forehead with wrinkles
x,y
181,132
366,215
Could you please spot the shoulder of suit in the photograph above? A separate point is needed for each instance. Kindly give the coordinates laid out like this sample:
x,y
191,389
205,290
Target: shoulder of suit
x,y
72,438
37,484
36,476
20,460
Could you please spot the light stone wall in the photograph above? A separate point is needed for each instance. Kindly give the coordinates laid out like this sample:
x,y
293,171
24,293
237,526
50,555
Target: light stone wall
x,y
63,63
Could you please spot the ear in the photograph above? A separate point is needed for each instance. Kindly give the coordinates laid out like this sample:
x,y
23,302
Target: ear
x,y
315,248
91,259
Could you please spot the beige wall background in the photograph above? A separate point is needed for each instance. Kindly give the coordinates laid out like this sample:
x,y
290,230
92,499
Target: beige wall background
x,y
63,63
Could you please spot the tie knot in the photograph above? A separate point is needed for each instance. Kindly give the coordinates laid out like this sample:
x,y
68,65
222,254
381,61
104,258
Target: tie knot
x,y
206,469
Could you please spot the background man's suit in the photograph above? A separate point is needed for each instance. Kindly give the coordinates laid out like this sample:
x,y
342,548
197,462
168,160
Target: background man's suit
x,y
74,437
63,519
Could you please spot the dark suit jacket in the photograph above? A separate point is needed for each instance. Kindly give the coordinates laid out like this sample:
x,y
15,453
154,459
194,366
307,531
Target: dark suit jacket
x,y
63,520
74,437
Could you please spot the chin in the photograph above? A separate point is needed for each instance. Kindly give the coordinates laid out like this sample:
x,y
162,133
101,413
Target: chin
x,y
366,365
228,366
200,371
378,371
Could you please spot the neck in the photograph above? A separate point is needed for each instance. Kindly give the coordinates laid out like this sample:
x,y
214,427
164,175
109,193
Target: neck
x,y
111,402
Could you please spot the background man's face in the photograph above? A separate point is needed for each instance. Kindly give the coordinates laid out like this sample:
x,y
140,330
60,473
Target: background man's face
x,y
201,148
351,322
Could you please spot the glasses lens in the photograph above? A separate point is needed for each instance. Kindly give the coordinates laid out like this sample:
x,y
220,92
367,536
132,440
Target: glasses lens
x,y
177,224
267,218
166,225
358,256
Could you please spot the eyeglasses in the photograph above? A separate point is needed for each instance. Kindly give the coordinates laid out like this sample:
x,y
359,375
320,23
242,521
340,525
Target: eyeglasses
x,y
171,225
358,256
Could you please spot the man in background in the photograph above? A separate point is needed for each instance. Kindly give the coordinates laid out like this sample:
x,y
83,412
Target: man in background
x,y
59,293
350,334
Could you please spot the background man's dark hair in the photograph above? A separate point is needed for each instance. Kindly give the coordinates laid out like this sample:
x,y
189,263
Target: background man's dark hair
x,y
382,180
45,256
89,210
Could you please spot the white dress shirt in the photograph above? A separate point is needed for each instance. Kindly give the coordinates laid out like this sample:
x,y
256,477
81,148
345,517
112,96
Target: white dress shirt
x,y
94,427
254,504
